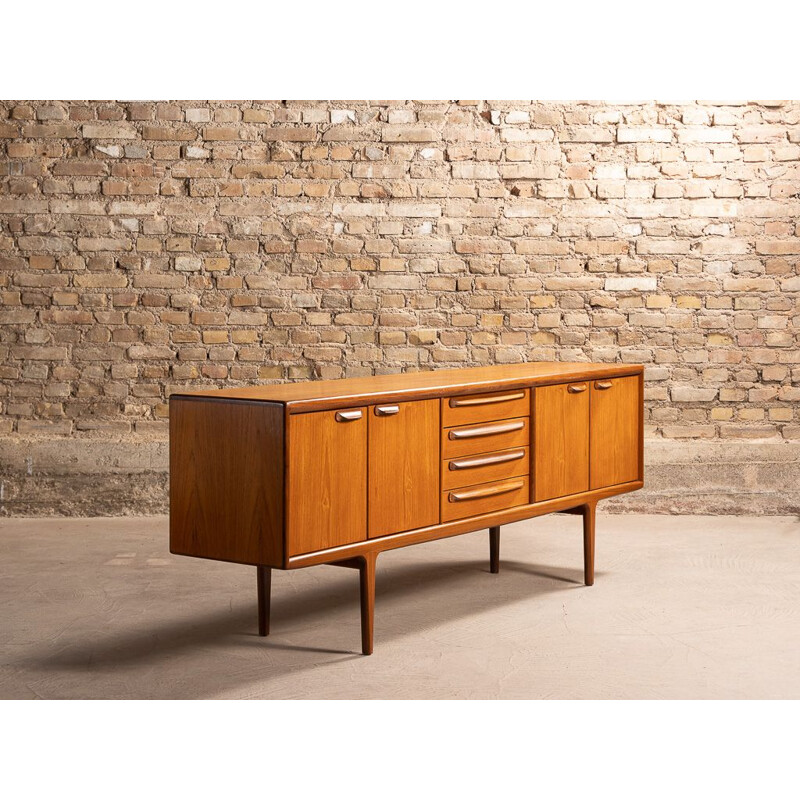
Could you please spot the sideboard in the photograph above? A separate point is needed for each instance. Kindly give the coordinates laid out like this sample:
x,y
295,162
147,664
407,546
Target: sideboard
x,y
335,472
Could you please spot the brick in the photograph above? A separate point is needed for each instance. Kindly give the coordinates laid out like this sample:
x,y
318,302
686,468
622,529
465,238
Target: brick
x,y
690,394
104,130
168,134
626,284
393,133
636,134
779,248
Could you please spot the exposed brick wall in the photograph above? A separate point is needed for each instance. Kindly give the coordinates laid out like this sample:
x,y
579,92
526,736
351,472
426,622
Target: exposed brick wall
x,y
149,246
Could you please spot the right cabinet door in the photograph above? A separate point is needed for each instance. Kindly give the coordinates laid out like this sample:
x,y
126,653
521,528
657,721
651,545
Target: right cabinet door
x,y
560,440
616,407
403,466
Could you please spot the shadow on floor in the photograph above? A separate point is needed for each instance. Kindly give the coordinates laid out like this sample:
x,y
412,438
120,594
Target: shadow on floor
x,y
408,596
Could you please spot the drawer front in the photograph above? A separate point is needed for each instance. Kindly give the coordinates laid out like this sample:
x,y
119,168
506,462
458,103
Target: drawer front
x,y
485,498
485,407
485,467
485,437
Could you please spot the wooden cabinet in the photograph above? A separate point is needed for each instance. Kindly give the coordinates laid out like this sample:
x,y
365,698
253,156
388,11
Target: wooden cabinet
x,y
561,440
403,466
615,435
336,472
327,492
587,435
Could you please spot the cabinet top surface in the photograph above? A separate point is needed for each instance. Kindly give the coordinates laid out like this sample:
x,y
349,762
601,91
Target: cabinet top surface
x,y
311,395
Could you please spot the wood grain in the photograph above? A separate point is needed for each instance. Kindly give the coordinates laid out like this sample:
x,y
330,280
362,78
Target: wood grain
x,y
367,587
455,528
327,481
226,480
404,468
484,498
561,441
614,436
494,549
502,464
470,409
488,441
589,517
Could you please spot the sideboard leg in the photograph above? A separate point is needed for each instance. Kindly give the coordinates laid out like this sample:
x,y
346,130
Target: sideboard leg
x,y
264,578
494,549
588,543
367,575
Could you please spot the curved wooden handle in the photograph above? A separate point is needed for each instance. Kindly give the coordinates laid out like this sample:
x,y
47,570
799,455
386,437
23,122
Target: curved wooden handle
x,y
456,402
474,494
487,430
603,384
576,388
482,461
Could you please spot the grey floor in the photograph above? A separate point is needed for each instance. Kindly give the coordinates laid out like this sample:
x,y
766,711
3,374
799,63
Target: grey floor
x,y
683,607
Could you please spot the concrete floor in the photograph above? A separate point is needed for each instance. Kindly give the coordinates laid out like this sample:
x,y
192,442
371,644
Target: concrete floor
x,y
682,607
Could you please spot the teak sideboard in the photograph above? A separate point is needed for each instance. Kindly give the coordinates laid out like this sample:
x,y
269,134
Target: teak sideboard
x,y
336,472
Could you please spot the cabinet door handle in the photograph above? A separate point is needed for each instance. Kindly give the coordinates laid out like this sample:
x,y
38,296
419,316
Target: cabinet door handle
x,y
491,491
487,430
386,411
456,402
347,416
603,384
576,388
482,461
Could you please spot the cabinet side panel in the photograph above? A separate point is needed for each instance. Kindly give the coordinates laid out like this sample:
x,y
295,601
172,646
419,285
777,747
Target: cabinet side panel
x,y
226,480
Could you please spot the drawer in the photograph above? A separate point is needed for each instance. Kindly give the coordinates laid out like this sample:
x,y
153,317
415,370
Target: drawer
x,y
485,467
484,498
485,437
485,407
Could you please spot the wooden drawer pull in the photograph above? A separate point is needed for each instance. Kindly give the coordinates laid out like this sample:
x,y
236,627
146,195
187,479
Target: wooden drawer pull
x,y
474,494
603,384
347,416
484,401
386,411
487,430
576,388
482,461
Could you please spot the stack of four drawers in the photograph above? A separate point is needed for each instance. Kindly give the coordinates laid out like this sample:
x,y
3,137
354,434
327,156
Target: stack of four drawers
x,y
485,453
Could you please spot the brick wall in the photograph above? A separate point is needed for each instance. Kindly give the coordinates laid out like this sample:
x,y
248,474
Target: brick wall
x,y
148,246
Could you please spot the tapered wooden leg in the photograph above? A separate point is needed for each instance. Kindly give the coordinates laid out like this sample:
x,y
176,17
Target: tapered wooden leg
x,y
588,543
264,578
494,549
367,574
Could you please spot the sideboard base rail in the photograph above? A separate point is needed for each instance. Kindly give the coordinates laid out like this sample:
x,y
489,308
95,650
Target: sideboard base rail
x,y
497,518
365,562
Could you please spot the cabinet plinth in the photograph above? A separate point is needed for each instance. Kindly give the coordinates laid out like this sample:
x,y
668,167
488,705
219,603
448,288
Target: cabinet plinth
x,y
336,472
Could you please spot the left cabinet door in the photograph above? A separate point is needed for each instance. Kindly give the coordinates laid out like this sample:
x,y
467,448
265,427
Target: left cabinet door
x,y
327,503
403,466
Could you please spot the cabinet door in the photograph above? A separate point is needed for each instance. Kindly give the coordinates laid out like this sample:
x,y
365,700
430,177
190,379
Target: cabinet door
x,y
616,410
327,479
403,466
561,440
